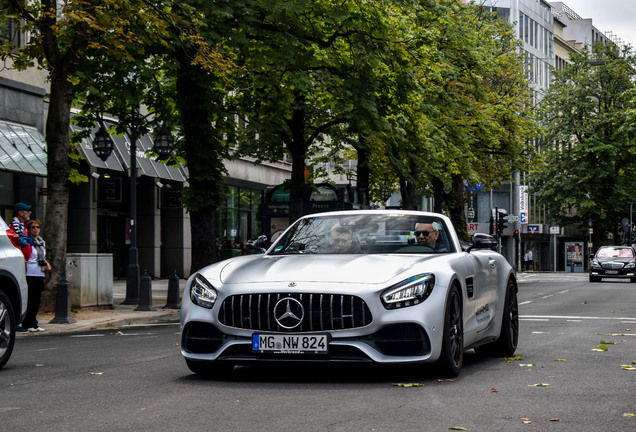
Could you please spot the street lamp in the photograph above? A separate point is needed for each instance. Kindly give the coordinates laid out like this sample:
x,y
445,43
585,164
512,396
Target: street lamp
x,y
102,144
163,147
164,142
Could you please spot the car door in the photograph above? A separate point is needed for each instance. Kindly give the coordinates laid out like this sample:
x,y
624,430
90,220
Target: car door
x,y
481,301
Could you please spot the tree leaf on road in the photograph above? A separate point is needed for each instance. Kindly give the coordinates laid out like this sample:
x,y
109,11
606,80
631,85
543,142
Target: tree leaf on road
x,y
629,415
408,384
457,428
561,360
527,364
628,367
513,359
539,385
601,347
608,342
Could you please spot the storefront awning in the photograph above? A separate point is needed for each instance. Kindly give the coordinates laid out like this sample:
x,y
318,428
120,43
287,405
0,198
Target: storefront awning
x,y
22,149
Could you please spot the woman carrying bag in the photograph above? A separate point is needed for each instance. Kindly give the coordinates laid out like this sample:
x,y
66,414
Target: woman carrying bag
x,y
36,265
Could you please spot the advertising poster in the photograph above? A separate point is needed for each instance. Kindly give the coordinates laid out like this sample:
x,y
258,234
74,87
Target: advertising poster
x,y
574,257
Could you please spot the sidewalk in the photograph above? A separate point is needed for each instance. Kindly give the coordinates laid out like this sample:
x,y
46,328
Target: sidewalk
x,y
117,316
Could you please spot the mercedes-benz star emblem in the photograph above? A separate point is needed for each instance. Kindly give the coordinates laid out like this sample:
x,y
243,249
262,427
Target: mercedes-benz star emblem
x,y
289,313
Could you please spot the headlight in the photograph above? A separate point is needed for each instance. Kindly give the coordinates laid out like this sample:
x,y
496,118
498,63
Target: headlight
x,y
595,263
202,293
411,292
630,265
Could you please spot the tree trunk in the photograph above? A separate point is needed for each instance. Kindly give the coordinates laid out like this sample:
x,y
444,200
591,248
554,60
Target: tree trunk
x,y
363,173
58,167
204,158
298,150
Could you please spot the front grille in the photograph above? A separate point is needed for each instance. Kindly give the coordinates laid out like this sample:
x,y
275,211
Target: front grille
x,y
322,312
612,265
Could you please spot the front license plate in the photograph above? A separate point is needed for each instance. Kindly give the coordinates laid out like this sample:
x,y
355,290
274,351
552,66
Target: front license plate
x,y
290,343
611,271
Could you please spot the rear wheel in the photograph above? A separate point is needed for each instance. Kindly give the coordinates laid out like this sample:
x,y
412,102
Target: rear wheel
x,y
7,329
209,369
506,344
452,356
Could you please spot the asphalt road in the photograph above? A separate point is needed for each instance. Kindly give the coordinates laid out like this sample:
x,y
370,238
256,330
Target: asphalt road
x,y
135,379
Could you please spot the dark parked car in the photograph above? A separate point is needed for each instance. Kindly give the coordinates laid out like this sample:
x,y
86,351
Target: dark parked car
x,y
613,262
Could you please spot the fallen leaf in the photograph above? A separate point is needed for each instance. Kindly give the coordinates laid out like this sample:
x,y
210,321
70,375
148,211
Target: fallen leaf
x,y
527,365
39,365
525,418
110,325
96,373
555,419
562,360
608,342
629,415
628,367
409,385
526,422
513,359
618,334
457,428
601,347
539,385
445,380
494,390
628,329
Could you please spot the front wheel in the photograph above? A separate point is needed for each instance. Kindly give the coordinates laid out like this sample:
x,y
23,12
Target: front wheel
x,y
506,344
452,356
7,329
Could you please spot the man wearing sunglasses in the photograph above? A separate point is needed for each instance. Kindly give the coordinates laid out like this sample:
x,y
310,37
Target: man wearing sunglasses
x,y
426,234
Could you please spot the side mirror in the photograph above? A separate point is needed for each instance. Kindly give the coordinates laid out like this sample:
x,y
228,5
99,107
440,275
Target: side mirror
x,y
482,241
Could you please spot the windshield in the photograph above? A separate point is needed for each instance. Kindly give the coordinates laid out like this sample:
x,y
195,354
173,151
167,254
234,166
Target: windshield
x,y
612,252
366,234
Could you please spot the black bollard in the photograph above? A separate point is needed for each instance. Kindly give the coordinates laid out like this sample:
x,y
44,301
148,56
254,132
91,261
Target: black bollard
x,y
63,304
145,293
173,292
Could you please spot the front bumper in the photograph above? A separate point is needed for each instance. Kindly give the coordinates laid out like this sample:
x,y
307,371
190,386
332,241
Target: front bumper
x,y
392,343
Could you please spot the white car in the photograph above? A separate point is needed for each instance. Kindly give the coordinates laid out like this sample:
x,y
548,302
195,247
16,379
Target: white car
x,y
379,286
13,289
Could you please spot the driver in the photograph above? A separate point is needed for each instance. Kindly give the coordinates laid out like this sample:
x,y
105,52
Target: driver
x,y
427,234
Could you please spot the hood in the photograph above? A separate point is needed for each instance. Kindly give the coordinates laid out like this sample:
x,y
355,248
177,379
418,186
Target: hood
x,y
369,269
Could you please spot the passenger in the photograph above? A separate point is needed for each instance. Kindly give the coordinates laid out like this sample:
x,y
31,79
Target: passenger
x,y
341,240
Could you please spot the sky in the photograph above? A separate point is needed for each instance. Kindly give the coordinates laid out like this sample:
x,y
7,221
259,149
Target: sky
x,y
617,16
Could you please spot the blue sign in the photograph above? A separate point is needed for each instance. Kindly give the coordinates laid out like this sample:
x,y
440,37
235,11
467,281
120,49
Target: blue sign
x,y
534,229
523,217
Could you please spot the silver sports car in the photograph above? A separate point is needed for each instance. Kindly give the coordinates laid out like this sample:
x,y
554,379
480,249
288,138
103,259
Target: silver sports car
x,y
379,286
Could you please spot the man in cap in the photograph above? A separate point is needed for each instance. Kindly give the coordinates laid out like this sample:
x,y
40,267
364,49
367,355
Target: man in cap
x,y
22,213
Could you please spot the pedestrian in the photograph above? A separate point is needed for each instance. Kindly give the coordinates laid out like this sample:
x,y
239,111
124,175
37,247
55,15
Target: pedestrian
x,y
36,265
21,214
527,259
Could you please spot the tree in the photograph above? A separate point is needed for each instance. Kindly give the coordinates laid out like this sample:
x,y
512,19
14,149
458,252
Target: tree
x,y
458,106
69,40
590,158
301,80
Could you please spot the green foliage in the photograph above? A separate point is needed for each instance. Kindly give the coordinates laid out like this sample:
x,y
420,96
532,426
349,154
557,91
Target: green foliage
x,y
590,151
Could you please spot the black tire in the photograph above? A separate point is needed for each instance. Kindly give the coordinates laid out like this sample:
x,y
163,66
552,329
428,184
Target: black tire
x,y
7,329
506,344
452,356
595,279
209,369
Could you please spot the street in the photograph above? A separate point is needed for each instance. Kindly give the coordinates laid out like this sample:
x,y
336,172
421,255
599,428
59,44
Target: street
x,y
134,379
